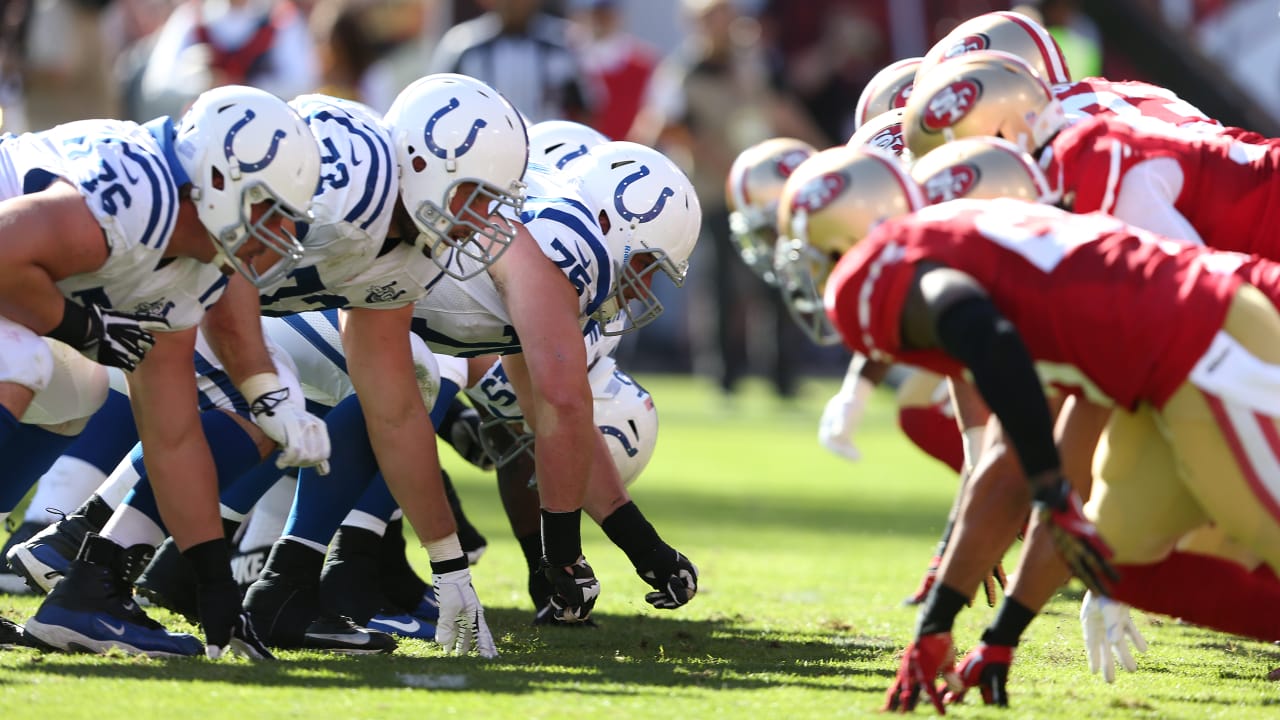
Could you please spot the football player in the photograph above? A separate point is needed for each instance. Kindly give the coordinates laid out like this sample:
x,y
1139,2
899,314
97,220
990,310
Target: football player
x,y
992,285
114,231
368,256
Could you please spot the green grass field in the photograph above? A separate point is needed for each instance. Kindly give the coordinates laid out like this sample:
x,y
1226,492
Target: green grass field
x,y
804,559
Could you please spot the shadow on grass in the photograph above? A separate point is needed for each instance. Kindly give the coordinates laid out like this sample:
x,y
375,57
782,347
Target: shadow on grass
x,y
625,655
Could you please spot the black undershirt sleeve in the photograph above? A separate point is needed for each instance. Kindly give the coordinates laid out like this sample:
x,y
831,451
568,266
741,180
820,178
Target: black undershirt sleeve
x,y
974,332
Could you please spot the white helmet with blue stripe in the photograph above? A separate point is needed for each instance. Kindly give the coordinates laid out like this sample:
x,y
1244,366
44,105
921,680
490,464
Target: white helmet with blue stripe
x,y
241,146
558,143
452,131
650,216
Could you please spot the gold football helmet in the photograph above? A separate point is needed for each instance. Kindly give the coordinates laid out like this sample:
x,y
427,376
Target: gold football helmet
x,y
980,168
828,204
987,93
752,191
888,89
1010,32
883,131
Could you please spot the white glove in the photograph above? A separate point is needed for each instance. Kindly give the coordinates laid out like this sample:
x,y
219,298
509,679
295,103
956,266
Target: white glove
x,y
841,417
303,438
461,626
1109,628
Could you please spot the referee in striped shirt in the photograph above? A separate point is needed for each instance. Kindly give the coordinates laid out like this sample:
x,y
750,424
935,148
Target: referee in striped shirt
x,y
524,54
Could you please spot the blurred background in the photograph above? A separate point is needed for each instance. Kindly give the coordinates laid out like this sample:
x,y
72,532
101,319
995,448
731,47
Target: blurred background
x,y
700,79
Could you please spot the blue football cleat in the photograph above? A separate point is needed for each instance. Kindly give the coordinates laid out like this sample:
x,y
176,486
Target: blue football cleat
x,y
407,626
92,610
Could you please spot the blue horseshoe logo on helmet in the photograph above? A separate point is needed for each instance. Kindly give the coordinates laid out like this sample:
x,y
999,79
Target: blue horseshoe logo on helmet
x,y
428,135
652,212
582,150
266,159
614,432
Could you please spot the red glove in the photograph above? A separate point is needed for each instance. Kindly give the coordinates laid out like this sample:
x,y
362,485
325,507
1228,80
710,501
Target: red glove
x,y
1077,540
923,660
926,582
986,667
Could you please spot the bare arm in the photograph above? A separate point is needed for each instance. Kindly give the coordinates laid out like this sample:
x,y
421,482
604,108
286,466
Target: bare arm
x,y
380,362
45,237
162,391
550,376
233,328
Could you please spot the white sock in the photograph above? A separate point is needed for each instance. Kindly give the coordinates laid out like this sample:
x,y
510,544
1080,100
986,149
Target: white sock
x,y
362,519
129,526
114,489
269,516
68,483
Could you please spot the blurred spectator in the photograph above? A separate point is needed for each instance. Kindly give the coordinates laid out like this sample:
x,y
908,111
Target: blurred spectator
x,y
15,17
617,63
706,103
524,54
355,40
1074,31
67,64
207,43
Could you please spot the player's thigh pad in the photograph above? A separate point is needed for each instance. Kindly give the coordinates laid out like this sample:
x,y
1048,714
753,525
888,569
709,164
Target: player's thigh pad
x,y
77,387
1138,502
25,358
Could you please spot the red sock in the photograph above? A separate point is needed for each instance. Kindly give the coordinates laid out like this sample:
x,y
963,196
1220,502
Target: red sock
x,y
1204,590
934,432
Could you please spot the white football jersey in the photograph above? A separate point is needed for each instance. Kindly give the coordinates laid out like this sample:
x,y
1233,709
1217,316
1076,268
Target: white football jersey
x,y
469,317
348,261
129,177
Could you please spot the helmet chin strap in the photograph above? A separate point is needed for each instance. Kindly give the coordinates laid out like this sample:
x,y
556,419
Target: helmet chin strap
x,y
222,261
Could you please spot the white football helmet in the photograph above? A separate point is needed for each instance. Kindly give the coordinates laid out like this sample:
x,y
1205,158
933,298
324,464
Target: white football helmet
x,y
626,417
556,143
648,207
887,90
752,191
241,146
452,130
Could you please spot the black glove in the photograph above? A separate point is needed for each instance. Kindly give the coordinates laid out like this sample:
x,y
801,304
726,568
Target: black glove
x,y
226,625
576,590
673,586
108,337
461,429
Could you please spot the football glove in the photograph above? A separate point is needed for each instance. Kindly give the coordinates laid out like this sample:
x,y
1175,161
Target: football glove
x,y
673,586
461,626
303,438
841,417
227,627
926,582
576,590
924,659
1108,630
461,429
107,337
991,581
986,667
1077,540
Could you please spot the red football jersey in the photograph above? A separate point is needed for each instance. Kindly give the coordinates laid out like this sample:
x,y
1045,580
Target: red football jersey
x,y
1094,97
1104,308
1230,188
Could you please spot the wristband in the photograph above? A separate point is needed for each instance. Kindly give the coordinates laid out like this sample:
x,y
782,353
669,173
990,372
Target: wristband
x,y
75,328
444,549
255,386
